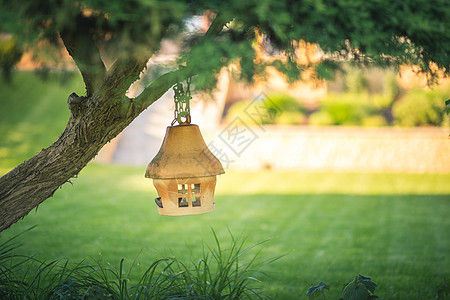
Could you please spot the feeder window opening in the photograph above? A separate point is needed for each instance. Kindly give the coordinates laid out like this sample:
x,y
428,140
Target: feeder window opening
x,y
183,191
182,202
195,192
189,193
195,188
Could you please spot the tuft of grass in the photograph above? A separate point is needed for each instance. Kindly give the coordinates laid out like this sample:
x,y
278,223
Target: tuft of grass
x,y
222,273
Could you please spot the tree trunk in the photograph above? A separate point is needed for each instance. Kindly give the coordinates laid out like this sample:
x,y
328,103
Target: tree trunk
x,y
94,121
91,126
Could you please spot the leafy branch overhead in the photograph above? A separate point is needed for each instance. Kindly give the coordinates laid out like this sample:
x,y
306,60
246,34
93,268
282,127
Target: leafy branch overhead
x,y
378,32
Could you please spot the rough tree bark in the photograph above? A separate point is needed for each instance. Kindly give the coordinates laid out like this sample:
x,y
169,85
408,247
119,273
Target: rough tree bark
x,y
95,119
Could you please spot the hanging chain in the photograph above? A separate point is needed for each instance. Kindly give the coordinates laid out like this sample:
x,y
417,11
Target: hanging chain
x,y
182,111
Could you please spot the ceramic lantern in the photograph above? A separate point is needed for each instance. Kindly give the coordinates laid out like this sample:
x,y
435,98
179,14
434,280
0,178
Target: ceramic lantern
x,y
184,170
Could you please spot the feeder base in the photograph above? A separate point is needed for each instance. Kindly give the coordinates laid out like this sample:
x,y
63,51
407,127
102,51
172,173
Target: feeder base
x,y
188,211
185,196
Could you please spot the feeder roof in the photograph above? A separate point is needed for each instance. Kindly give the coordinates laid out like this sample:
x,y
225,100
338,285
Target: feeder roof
x,y
183,154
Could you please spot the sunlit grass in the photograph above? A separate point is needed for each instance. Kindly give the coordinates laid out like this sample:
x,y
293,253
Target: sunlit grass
x,y
393,227
33,113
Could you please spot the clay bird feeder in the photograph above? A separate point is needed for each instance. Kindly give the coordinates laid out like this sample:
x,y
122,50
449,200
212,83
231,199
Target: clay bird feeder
x,y
184,171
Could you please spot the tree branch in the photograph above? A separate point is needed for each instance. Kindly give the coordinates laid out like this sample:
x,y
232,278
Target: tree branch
x,y
216,26
124,72
159,86
80,45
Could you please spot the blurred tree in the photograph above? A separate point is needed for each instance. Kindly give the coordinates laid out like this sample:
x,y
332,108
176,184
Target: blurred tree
x,y
129,32
10,55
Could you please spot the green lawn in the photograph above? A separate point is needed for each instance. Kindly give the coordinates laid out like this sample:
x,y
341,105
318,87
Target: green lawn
x,y
393,227
33,113
329,226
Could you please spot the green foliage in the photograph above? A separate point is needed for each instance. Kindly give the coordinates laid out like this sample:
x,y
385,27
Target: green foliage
x,y
227,50
421,107
359,104
443,290
327,69
279,108
10,55
344,109
398,32
284,102
223,274
391,90
374,121
120,27
290,118
356,82
360,288
289,68
317,290
321,118
219,274
415,108
237,110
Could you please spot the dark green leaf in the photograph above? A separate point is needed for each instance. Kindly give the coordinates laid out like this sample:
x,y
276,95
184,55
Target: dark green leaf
x,y
369,284
447,106
354,291
315,290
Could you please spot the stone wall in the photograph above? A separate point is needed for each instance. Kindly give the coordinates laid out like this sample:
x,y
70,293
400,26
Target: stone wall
x,y
338,148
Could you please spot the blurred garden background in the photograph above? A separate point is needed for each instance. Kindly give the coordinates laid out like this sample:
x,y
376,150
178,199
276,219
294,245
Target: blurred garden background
x,y
343,177
327,224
